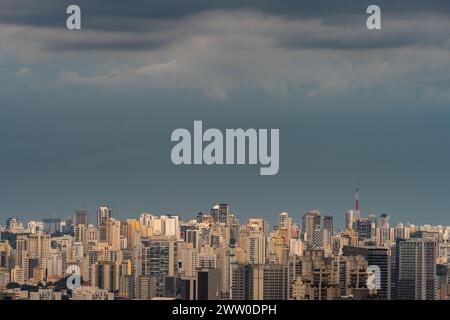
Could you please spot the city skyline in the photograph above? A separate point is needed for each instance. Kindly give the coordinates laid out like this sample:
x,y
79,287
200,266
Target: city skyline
x,y
215,255
271,218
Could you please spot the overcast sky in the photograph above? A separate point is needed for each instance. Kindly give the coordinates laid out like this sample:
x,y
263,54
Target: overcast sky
x,y
86,116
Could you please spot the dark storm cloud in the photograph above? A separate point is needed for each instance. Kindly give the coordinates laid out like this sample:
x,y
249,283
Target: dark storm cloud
x,y
345,44
358,39
49,12
149,25
120,44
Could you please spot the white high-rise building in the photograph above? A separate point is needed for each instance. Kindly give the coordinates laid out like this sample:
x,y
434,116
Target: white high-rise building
x,y
54,266
417,270
256,248
350,218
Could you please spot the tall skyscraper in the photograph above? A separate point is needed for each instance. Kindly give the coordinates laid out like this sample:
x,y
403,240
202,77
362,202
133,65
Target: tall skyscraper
x,y
103,214
375,256
259,282
146,287
328,224
191,236
363,227
373,224
350,218
106,275
283,216
159,259
310,222
256,248
285,225
220,213
417,278
39,245
113,233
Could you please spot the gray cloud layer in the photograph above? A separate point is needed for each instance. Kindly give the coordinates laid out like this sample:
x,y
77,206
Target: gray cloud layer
x,y
48,12
218,51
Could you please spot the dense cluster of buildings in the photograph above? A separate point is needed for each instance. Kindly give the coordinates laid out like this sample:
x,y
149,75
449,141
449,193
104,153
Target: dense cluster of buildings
x,y
215,256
